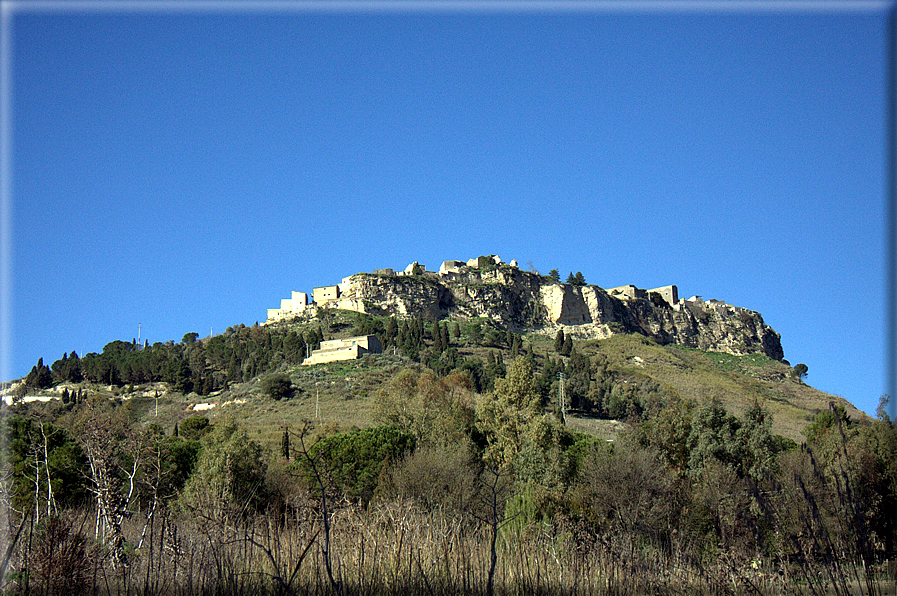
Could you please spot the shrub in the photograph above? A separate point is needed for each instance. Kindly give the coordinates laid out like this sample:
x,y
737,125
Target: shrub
x,y
193,428
434,478
277,386
61,561
229,473
354,460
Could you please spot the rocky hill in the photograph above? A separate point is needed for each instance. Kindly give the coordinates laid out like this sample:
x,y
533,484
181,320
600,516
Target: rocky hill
x,y
524,301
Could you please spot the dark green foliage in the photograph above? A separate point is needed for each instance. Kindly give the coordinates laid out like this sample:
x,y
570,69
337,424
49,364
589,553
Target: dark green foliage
x,y
799,372
475,332
230,473
238,354
40,376
193,428
189,338
477,372
825,422
285,443
27,444
559,341
68,368
579,279
390,333
555,276
277,386
177,459
713,436
354,460
495,367
567,347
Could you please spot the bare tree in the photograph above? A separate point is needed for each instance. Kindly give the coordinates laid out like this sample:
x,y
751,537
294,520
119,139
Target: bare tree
x,y
114,456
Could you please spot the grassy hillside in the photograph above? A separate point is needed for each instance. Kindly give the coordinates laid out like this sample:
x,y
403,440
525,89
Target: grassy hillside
x,y
342,395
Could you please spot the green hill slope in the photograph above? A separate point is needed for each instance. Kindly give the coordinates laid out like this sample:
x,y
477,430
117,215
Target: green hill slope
x,y
607,381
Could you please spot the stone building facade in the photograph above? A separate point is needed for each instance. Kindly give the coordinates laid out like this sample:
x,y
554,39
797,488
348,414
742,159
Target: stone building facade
x,y
350,348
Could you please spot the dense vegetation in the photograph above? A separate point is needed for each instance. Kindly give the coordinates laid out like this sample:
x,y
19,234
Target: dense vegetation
x,y
467,481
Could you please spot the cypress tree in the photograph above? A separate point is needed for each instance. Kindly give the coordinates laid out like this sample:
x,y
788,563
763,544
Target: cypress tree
x,y
568,346
285,443
559,341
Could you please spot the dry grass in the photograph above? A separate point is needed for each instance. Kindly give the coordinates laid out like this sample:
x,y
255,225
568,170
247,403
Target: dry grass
x,y
395,548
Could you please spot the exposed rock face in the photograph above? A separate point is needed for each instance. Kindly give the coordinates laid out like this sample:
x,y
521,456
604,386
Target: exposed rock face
x,y
524,301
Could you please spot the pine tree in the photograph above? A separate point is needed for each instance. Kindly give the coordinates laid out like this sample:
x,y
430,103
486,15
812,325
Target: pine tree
x,y
579,279
555,276
571,279
559,341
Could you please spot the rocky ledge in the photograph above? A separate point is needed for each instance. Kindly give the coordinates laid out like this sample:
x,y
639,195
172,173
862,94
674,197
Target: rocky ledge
x,y
528,302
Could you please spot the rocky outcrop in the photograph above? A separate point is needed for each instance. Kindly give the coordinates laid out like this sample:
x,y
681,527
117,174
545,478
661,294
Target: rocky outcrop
x,y
524,301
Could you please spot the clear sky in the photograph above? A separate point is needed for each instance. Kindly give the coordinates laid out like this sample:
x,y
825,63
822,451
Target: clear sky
x,y
185,171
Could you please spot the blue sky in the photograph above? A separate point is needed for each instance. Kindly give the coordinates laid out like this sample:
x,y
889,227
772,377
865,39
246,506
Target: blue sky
x,y
186,171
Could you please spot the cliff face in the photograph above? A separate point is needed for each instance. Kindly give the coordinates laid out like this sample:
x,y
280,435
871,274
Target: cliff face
x,y
524,301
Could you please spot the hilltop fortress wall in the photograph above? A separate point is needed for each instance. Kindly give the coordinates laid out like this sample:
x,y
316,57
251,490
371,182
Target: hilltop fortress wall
x,y
526,301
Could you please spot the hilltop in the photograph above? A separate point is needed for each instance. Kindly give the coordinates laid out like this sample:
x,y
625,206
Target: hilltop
x,y
527,302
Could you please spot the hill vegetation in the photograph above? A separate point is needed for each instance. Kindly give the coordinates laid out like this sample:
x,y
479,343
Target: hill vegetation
x,y
447,464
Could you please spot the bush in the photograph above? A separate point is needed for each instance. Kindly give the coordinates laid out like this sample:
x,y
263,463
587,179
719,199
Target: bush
x,y
277,386
229,473
434,478
62,560
193,428
354,460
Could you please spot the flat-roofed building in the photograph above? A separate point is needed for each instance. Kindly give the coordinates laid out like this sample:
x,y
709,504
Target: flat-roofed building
x,y
350,348
627,292
670,294
325,294
451,266
297,303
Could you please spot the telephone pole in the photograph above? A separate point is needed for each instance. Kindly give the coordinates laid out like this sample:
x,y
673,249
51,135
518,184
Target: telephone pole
x,y
562,396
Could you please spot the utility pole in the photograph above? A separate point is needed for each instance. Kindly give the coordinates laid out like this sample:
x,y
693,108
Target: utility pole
x,y
138,336
317,397
562,397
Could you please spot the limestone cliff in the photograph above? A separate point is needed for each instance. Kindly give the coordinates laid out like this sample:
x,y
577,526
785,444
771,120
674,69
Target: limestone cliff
x,y
524,301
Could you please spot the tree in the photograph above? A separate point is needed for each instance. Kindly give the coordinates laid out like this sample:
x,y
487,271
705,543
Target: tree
x,y
193,428
571,279
355,460
229,474
567,348
40,376
555,276
799,372
559,341
579,279
189,338
277,386
285,443
505,414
